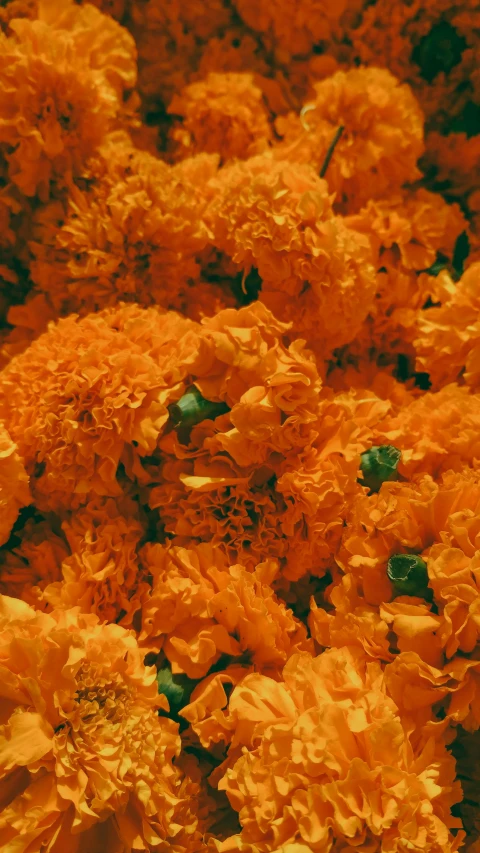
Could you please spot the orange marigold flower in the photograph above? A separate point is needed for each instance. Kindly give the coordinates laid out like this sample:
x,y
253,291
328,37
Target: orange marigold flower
x,y
278,470
68,69
406,517
454,160
271,389
201,608
364,609
28,320
448,342
293,29
102,573
349,621
208,712
293,511
317,273
169,38
235,509
13,9
455,580
133,234
453,689
14,485
222,114
236,50
34,561
381,141
436,431
82,748
408,232
86,389
319,743
432,45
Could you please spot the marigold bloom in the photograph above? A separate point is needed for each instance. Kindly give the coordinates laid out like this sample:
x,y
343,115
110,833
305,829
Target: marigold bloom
x,y
17,9
405,517
85,758
432,45
223,114
320,743
200,608
349,620
454,159
14,485
408,232
69,69
409,229
448,342
363,606
86,389
34,561
133,235
278,470
293,29
382,135
102,574
237,50
169,38
276,217
435,432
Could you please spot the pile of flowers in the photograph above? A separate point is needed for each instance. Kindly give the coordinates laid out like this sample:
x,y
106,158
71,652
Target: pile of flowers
x,y
239,426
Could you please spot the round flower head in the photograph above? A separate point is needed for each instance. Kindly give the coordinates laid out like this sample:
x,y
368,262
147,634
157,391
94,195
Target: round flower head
x,y
14,489
101,574
408,232
201,608
323,741
238,50
316,273
132,235
86,389
169,38
431,45
13,9
222,114
448,342
401,593
270,475
454,161
84,756
33,560
410,229
290,503
293,28
434,432
69,69
381,141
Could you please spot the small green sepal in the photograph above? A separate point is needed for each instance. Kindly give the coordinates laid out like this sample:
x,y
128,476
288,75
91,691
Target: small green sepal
x,y
192,409
408,573
379,465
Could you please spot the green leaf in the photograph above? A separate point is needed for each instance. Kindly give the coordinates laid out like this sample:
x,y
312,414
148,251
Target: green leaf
x,y
379,465
408,573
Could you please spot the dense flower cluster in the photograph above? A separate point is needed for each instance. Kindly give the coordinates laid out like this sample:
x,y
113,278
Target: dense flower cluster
x,y
239,426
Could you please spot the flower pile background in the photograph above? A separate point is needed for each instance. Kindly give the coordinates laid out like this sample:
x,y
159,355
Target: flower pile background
x,y
239,426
